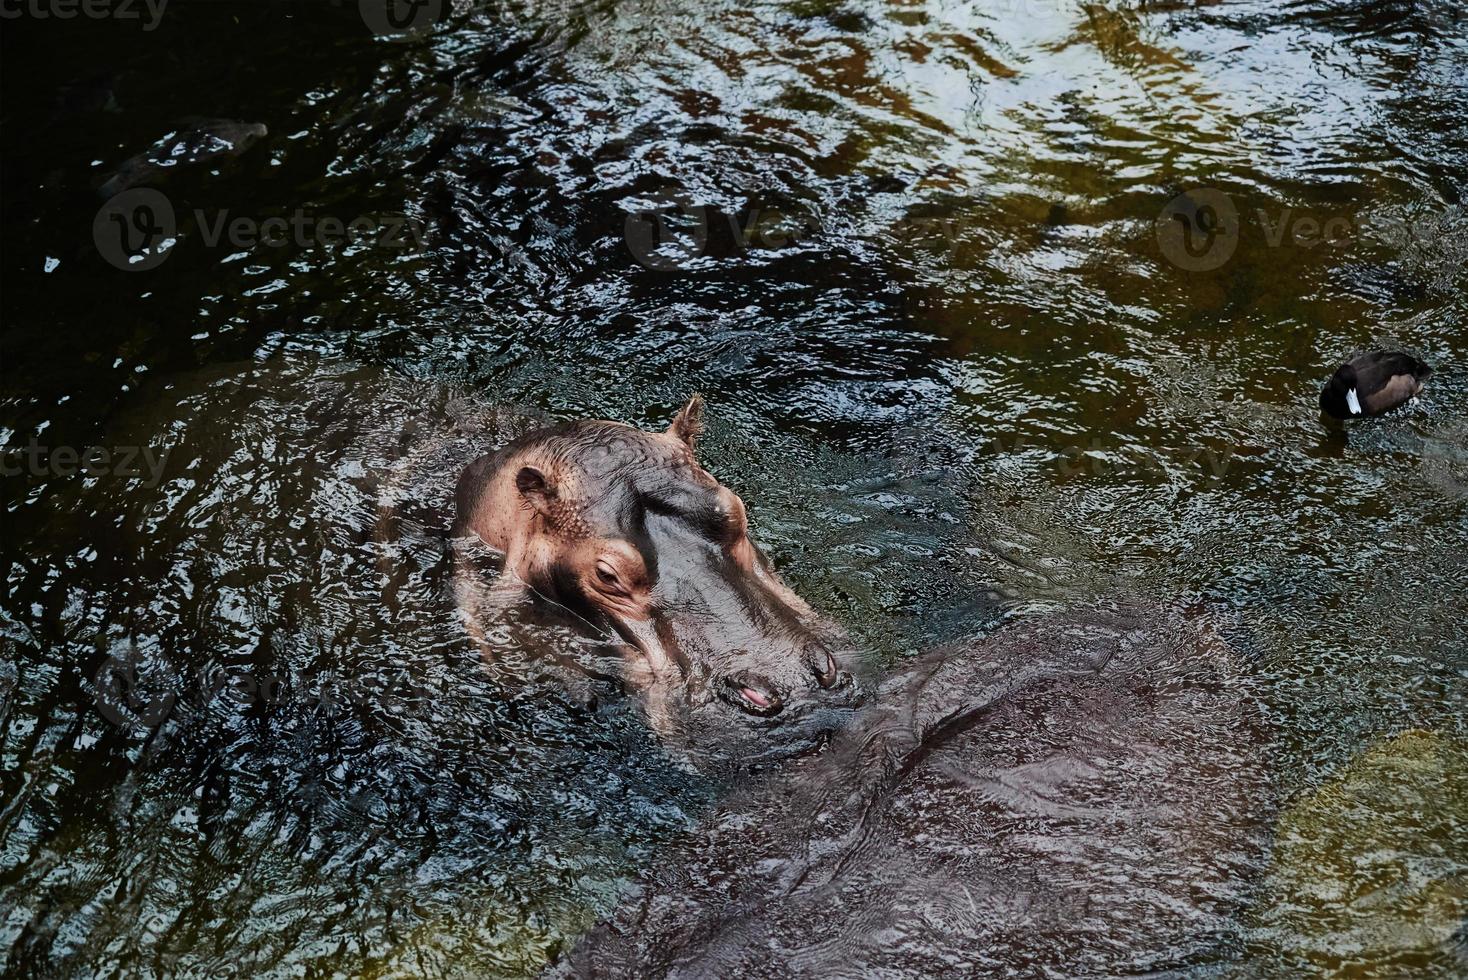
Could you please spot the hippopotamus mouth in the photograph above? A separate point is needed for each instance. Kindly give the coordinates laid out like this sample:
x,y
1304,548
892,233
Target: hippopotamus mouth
x,y
643,546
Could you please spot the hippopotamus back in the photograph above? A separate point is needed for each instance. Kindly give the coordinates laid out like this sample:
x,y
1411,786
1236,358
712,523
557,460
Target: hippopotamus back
x,y
1077,796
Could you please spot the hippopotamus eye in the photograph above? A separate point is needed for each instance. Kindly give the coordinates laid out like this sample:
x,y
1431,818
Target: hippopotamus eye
x,y
606,576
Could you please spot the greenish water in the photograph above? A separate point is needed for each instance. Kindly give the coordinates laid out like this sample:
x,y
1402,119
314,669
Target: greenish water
x,y
911,256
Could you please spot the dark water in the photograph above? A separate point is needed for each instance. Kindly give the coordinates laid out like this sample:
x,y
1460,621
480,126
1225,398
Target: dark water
x,y
910,253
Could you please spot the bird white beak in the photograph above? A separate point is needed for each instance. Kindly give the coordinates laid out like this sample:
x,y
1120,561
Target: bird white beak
x,y
1353,402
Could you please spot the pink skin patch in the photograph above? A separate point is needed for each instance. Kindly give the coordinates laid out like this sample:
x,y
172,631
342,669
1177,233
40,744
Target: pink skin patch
x,y
754,697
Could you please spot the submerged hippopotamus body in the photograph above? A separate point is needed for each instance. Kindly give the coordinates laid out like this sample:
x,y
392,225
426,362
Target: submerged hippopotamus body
x,y
627,538
1077,796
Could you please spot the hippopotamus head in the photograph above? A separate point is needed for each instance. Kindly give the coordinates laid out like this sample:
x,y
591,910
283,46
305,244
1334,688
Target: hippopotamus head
x,y
628,532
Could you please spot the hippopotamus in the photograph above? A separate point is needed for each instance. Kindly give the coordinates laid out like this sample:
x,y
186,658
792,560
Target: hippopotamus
x,y
1083,794
622,535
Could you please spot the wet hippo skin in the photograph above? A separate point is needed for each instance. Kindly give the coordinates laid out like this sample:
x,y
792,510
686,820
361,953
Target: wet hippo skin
x,y
1075,796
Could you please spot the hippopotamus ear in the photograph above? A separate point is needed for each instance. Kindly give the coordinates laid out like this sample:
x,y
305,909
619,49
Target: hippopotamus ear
x,y
688,423
535,489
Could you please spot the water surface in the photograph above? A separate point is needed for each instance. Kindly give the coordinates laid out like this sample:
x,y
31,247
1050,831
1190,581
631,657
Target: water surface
x,y
910,254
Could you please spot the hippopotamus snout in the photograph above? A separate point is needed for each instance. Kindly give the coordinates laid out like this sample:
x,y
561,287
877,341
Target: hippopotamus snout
x,y
724,620
738,649
757,694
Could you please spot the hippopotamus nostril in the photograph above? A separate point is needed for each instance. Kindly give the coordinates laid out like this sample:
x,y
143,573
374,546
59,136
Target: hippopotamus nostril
x,y
753,695
823,665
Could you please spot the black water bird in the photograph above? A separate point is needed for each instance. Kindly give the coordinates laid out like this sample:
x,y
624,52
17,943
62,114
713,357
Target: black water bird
x,y
1373,383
